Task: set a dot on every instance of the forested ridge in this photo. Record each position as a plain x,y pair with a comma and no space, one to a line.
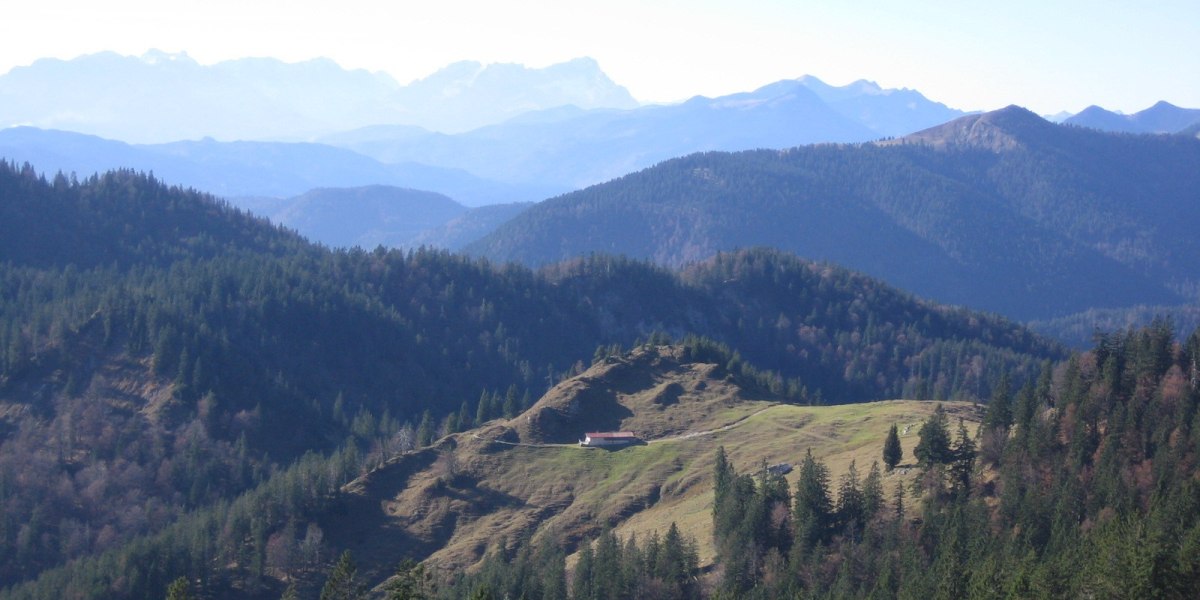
1002,211
161,353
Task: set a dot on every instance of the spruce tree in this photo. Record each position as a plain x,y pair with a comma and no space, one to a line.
464,417
850,499
179,590
723,511
1000,413
892,452
933,448
290,592
872,492
343,583
425,430
581,587
812,509
412,582
964,462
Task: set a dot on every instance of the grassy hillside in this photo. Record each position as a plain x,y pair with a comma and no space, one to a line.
452,503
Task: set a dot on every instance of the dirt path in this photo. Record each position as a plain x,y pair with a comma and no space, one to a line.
478,437
695,434
675,438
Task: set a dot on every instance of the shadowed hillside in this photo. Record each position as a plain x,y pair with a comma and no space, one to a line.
1002,211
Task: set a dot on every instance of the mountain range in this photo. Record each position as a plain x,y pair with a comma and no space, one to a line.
532,156
252,169
161,97
570,148
1003,211
1163,117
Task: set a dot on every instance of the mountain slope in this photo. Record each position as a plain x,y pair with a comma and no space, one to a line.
162,353
510,481
470,226
1002,211
365,217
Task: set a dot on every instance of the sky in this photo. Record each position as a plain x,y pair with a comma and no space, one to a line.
1046,55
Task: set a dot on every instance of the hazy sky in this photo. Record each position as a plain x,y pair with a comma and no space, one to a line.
1045,55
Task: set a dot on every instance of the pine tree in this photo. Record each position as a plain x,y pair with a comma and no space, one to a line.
290,592
411,582
343,583
425,431
179,590
723,512
606,568
510,402
872,492
481,409
581,588
892,452
898,502
1000,413
933,448
464,417
850,499
483,592
812,509
964,462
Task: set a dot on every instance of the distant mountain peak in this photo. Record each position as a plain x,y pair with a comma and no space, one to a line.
1163,117
867,86
154,56
999,130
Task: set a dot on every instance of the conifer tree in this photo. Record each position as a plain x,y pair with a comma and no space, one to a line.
481,409
510,402
343,583
999,413
412,582
872,492
464,417
850,499
179,590
723,477
812,509
581,587
425,431
290,592
933,448
892,452
964,462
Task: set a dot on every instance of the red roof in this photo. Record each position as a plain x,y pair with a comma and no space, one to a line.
610,435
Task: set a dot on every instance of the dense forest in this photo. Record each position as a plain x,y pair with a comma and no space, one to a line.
1002,211
163,354
1079,483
